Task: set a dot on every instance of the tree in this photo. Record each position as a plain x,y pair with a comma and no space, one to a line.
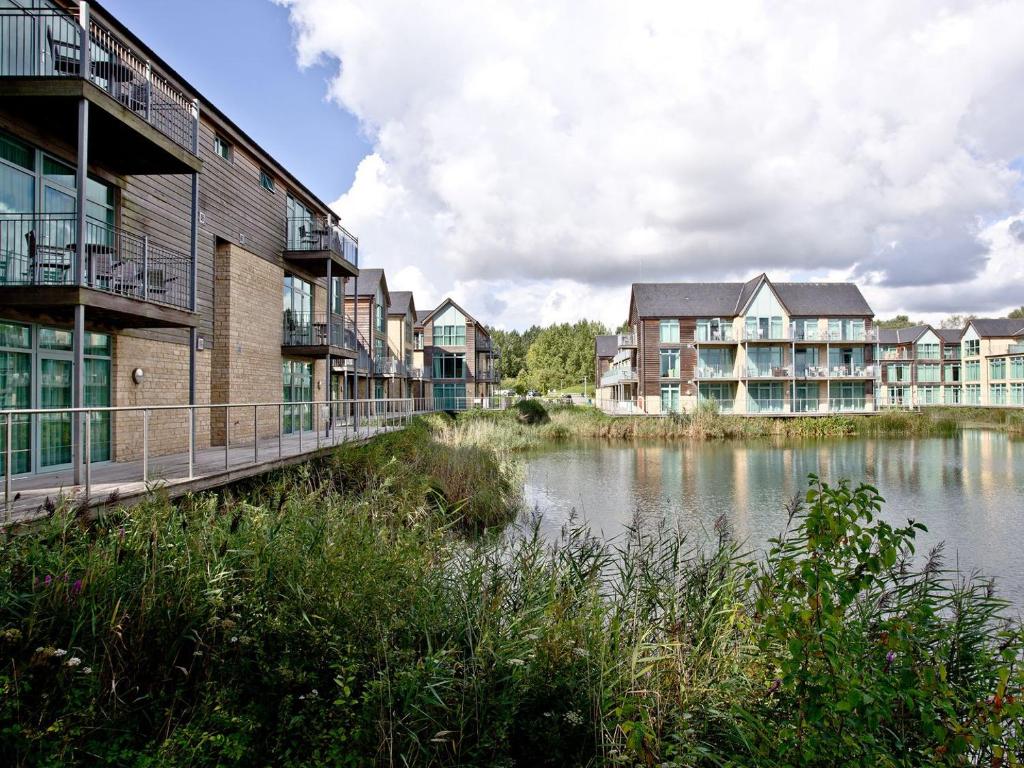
1017,314
957,321
562,355
900,321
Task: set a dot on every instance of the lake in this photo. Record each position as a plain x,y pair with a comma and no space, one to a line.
968,490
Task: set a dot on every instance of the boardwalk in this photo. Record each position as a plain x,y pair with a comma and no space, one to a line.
212,467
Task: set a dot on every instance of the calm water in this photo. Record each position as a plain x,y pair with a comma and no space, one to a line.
968,490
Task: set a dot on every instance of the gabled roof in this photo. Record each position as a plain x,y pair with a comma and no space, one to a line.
421,315
369,280
949,335
998,327
730,299
401,303
907,335
606,346
451,302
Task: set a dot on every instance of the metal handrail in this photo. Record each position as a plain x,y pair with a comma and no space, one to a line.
309,329
315,232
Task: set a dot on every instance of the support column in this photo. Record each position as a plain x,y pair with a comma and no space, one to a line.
355,366
79,265
327,361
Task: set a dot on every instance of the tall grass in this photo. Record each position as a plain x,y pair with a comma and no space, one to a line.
336,615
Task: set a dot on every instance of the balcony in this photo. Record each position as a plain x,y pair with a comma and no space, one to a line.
718,335
313,334
618,376
142,123
490,376
627,340
420,374
715,372
1015,349
773,372
127,280
837,372
313,241
391,367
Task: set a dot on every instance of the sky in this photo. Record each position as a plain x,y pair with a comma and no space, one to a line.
532,160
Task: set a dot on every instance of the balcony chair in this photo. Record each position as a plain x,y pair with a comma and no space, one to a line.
47,259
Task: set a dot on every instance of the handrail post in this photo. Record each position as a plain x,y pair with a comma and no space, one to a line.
149,92
7,465
255,436
227,433
280,428
316,423
88,457
145,446
191,442
84,53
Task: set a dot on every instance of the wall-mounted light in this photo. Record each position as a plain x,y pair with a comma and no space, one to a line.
138,375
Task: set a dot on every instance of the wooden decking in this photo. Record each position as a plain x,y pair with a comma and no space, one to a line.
213,467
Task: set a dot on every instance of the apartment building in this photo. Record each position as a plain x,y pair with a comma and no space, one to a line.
401,322
757,347
457,356
992,360
367,300
146,242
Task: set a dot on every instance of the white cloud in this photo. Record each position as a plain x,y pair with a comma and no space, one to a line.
539,155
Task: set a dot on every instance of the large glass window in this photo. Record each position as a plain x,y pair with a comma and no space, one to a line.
297,380
972,370
927,351
670,363
927,373
847,396
450,328
846,329
668,331
1017,394
972,347
765,361
951,374
16,393
806,329
1017,367
714,361
765,397
379,311
997,394
807,397
670,398
714,329
721,393
449,365
897,372
928,395
951,395
951,352
450,397
997,368
300,226
972,394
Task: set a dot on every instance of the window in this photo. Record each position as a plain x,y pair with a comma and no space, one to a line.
379,311
449,397
927,351
806,328
807,396
846,359
714,361
417,340
720,393
714,329
450,329
997,394
670,363
951,395
1017,367
449,365
668,332
298,297
928,373
670,398
929,395
266,180
1017,394
997,368
300,226
951,352
297,384
765,397
765,361
972,370
847,396
898,395
897,372
337,295
972,347
221,147
972,394
951,374
846,330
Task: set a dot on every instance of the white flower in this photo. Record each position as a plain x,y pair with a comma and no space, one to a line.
516,662
314,693
60,652
581,652
86,670
573,717
234,639
74,661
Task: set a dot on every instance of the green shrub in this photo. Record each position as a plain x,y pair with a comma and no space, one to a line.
530,412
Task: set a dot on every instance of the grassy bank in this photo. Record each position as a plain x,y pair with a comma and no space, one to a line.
349,613
506,432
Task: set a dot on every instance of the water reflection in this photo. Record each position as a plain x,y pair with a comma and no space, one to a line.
968,490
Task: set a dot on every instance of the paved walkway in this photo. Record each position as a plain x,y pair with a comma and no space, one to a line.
213,467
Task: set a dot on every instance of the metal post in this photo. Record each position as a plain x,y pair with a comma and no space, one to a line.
191,442
145,446
77,394
280,428
316,423
255,435
227,433
149,92
7,463
88,457
84,52
145,268
355,364
327,362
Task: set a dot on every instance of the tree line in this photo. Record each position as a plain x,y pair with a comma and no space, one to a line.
542,359
953,321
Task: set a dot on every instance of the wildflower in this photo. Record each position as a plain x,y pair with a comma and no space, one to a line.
890,657
234,639
516,662
314,693
581,652
48,580
74,661
76,588
574,718
60,652
86,670
776,684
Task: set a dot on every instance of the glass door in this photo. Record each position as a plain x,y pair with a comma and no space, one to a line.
54,439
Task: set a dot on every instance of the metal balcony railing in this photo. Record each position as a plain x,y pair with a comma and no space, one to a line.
724,405
316,329
318,233
715,372
618,376
766,372
837,372
390,366
722,333
45,42
40,249
1015,349
626,339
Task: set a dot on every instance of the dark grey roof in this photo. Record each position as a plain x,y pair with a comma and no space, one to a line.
950,335
421,315
998,326
906,335
401,302
728,299
369,279
606,346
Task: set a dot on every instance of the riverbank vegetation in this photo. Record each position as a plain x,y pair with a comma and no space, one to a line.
509,431
363,609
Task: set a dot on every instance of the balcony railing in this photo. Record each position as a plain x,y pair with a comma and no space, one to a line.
809,405
390,366
773,372
618,376
626,339
722,333
837,372
715,372
44,42
311,329
724,405
40,249
1015,349
318,233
